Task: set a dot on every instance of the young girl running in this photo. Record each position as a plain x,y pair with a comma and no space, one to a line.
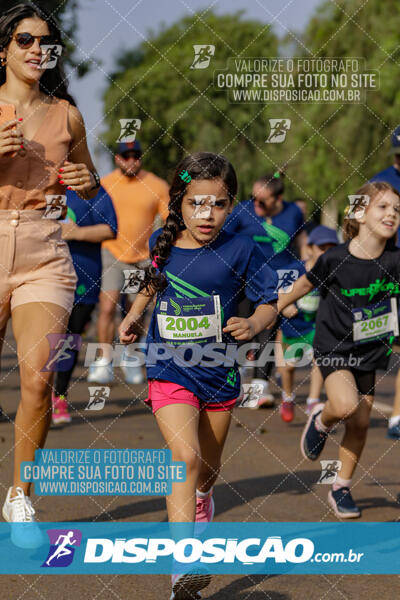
199,273
356,322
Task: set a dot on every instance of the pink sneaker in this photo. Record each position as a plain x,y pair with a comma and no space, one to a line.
60,410
286,411
205,508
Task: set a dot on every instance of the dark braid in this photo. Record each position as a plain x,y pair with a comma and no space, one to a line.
201,165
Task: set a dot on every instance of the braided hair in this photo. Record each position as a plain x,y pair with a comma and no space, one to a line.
201,165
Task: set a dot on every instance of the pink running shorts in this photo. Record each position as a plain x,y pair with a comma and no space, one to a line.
162,393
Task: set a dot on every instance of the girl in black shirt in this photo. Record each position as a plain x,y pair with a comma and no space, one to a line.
356,324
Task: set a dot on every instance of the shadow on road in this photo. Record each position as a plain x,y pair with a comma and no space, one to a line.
245,587
226,496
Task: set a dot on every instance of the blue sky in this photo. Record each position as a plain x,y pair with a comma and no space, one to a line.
108,26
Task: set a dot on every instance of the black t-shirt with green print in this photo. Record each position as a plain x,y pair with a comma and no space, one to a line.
347,283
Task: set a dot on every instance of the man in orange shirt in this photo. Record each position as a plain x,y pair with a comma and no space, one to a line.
138,196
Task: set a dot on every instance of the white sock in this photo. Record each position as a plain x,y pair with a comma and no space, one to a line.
312,400
339,483
320,426
393,421
288,398
203,494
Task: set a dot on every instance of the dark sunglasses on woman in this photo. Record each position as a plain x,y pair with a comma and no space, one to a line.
26,40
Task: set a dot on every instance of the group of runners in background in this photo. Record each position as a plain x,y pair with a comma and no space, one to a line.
249,271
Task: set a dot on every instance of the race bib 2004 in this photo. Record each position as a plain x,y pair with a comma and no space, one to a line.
190,319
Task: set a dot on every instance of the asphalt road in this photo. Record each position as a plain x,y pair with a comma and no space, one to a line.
264,478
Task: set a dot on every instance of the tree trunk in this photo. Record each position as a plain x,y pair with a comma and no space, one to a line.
329,213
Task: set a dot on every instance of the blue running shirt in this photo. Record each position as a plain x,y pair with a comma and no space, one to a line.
275,239
229,268
86,256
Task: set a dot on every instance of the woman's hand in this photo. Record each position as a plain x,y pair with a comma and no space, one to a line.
239,328
130,328
11,138
76,177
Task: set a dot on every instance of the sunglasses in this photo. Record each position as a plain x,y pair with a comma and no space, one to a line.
26,40
128,155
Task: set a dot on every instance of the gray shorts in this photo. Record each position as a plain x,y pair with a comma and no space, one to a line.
113,276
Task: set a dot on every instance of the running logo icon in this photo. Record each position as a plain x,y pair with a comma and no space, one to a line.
133,277
329,471
251,395
129,128
50,55
55,205
63,347
97,397
202,55
279,129
202,210
287,277
357,205
61,553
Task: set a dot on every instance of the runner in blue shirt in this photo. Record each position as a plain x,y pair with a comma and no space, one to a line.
88,223
275,225
200,274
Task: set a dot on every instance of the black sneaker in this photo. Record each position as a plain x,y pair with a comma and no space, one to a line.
313,441
343,504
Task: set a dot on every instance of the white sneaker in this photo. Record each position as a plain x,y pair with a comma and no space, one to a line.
100,373
25,533
133,375
266,398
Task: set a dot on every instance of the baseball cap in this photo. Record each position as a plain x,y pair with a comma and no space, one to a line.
128,146
395,149
322,235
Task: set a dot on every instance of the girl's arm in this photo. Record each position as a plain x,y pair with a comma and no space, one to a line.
131,328
90,233
245,329
300,288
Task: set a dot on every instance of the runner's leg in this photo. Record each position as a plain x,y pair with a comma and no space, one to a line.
343,397
213,430
356,429
106,320
179,425
34,411
77,323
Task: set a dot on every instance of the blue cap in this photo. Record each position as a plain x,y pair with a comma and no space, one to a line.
395,149
323,235
128,146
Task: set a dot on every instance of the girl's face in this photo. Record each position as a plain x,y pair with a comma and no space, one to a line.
205,207
382,215
24,63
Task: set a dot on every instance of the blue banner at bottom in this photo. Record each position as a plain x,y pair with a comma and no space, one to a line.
223,548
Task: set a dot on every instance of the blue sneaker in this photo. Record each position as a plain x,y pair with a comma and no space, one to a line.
343,504
313,441
394,432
